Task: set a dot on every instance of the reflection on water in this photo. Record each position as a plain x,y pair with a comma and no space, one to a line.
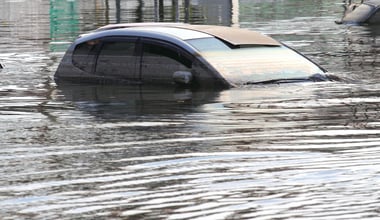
290,150
294,151
119,101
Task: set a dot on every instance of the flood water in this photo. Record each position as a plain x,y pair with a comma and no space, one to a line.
295,151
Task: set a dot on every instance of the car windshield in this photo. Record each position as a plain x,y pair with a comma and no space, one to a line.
255,64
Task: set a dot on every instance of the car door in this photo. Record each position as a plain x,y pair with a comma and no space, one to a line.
117,60
160,60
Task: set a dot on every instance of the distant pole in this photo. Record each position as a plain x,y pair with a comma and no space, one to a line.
118,13
175,10
107,14
156,11
187,11
161,10
140,12
235,13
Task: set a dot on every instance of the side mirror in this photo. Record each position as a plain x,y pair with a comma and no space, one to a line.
183,77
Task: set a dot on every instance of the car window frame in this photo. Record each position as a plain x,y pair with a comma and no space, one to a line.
167,44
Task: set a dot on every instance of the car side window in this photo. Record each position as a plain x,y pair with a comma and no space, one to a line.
153,50
160,62
117,58
84,55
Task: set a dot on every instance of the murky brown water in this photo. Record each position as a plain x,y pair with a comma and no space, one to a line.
297,151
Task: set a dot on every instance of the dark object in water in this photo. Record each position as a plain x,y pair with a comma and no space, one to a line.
1,66
182,54
365,12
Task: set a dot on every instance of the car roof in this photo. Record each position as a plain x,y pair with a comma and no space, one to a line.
183,34
234,36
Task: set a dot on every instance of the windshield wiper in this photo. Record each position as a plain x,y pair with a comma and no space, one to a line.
314,78
277,81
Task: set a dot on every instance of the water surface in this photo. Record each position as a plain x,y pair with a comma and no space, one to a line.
295,151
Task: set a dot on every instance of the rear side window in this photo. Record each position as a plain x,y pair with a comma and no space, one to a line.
117,58
84,55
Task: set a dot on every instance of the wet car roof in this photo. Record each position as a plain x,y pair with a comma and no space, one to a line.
233,36
183,34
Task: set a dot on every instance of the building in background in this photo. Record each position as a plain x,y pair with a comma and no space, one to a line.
64,22
22,19
59,21
221,12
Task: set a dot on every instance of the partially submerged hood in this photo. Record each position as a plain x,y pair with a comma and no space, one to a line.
361,13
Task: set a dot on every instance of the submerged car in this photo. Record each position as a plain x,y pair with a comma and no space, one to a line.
183,54
365,12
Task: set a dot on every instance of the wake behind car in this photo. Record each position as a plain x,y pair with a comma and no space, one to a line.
183,54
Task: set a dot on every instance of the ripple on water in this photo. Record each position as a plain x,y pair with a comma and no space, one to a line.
305,151
261,155
194,185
